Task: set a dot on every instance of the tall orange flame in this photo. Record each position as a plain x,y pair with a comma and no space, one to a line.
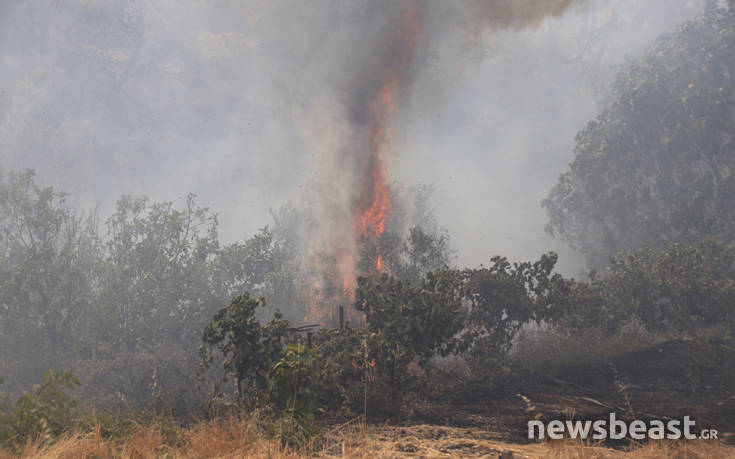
374,202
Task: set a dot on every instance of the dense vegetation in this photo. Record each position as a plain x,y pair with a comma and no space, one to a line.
129,305
657,166
123,301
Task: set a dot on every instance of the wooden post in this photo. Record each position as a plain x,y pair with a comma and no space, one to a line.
341,318
308,339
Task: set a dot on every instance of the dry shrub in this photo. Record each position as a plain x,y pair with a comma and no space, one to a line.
72,446
361,442
229,437
236,437
652,450
223,437
146,443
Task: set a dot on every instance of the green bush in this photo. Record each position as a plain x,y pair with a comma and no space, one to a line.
680,287
501,299
43,414
263,368
409,322
249,349
343,358
291,391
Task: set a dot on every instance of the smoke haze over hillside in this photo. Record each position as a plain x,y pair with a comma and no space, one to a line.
252,104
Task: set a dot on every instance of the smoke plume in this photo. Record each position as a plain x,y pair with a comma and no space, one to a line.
397,39
326,104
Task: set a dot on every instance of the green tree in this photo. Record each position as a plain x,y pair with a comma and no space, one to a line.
425,252
292,380
503,298
414,243
680,287
409,322
264,264
408,257
249,349
657,165
49,257
157,285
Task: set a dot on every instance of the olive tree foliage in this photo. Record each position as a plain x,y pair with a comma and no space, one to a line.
157,284
658,165
49,262
248,349
473,312
680,287
502,298
423,245
409,321
77,295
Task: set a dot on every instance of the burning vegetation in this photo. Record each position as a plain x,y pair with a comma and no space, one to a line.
150,335
376,95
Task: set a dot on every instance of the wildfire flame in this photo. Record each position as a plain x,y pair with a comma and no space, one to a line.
374,202
383,85
373,205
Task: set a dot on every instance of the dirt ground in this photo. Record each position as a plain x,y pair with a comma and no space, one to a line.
431,441
663,382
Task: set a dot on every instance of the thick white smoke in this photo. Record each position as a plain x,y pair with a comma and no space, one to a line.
251,104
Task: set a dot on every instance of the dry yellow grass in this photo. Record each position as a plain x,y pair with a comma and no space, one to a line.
236,438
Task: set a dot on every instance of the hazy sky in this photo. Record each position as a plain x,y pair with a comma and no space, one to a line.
241,103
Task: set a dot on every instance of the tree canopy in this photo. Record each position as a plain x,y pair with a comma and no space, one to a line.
657,165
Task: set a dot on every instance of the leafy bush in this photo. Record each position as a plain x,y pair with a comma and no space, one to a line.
292,393
476,313
250,350
502,298
291,381
409,322
43,414
255,356
681,287
341,369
